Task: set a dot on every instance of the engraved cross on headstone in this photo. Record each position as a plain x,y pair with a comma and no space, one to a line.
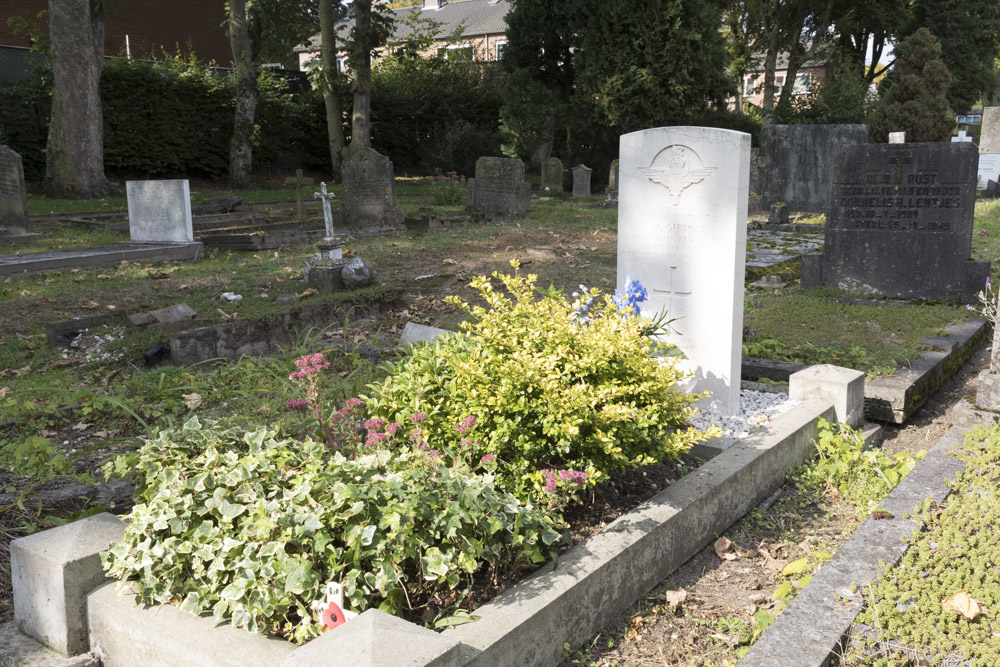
298,182
672,289
898,161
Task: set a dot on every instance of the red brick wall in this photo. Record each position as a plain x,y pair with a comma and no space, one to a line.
151,25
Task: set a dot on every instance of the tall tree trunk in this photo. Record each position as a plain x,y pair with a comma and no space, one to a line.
361,122
74,157
241,144
770,61
328,82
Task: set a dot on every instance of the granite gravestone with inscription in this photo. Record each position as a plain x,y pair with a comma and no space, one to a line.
499,187
159,211
552,175
13,197
369,193
581,180
900,223
798,158
682,227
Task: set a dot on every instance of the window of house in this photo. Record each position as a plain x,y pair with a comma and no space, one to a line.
779,82
803,82
456,52
501,45
750,85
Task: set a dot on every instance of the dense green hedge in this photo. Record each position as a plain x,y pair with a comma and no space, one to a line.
174,118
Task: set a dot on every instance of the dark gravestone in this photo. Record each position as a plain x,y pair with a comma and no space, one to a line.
552,175
13,198
798,159
369,193
499,187
613,177
581,180
900,223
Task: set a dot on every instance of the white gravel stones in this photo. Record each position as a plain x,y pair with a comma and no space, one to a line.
756,409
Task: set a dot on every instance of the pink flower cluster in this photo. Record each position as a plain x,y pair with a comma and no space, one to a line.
297,404
464,425
487,458
553,477
310,364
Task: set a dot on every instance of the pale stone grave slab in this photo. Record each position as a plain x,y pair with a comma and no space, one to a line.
989,170
499,188
682,215
900,223
159,211
369,193
13,196
552,175
989,137
798,159
581,180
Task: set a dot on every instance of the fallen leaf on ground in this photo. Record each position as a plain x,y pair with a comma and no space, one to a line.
24,370
100,434
3,391
226,316
675,598
157,275
770,562
81,426
961,603
46,433
308,293
721,547
449,261
191,400
58,362
103,276
263,410
90,305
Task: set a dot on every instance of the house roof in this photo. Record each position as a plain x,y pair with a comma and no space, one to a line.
821,59
476,17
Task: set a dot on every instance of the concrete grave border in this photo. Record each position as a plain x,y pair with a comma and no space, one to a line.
893,399
528,624
16,266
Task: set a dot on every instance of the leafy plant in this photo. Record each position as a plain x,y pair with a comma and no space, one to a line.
448,190
553,394
34,457
252,527
864,476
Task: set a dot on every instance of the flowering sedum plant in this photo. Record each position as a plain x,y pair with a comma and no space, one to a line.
251,527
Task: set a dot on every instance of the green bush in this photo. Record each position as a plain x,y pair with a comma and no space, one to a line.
252,528
549,388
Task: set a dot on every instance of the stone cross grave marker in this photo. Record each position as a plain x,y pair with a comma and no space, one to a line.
159,211
298,182
962,137
798,159
499,187
581,180
900,223
13,197
325,198
682,213
369,192
897,137
552,175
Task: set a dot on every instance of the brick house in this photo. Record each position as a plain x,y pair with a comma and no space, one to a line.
810,73
483,24
145,28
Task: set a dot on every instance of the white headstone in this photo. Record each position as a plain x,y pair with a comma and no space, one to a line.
989,169
897,137
962,136
682,227
159,211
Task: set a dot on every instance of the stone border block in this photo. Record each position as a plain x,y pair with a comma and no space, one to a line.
844,387
19,650
51,573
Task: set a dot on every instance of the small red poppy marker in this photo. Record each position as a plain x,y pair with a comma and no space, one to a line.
332,616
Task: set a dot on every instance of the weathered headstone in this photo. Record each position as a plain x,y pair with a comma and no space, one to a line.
989,170
499,187
369,193
581,180
13,196
682,215
798,158
989,137
159,211
298,182
900,223
552,175
897,137
613,176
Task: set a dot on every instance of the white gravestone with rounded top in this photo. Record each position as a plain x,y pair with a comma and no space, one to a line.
682,226
159,211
